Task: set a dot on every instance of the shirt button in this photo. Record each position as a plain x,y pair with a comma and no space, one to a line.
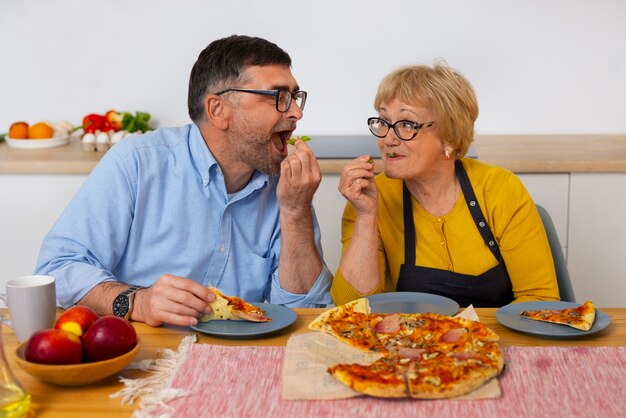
439,220
443,243
222,249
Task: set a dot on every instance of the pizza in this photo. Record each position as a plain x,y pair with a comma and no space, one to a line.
581,318
425,356
233,308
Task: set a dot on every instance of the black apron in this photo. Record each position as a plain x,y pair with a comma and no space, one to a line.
489,289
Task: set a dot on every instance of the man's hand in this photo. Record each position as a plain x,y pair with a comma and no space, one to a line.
300,176
299,263
172,300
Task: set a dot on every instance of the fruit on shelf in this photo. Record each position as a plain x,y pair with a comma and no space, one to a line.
40,130
54,346
108,337
77,319
18,130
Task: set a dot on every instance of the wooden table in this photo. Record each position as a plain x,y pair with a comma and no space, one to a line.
93,400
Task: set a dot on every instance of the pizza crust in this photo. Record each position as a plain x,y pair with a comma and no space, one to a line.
394,387
321,323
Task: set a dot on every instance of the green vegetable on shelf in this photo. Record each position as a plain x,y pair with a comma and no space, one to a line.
139,122
292,141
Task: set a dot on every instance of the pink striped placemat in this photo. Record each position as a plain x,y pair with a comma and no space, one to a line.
227,381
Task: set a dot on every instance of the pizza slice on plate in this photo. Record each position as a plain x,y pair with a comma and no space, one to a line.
581,318
233,308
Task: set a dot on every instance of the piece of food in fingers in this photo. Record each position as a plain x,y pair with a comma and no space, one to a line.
292,141
581,318
233,308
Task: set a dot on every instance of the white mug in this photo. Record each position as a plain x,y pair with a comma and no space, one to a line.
32,304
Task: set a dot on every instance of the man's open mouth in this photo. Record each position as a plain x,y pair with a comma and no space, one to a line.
279,139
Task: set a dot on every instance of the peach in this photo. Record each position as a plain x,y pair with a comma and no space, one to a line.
54,346
76,319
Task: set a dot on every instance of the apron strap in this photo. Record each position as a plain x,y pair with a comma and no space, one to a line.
477,214
409,227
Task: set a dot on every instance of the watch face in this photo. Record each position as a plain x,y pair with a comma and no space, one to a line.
120,305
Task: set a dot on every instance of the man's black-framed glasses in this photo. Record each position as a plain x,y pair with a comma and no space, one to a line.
284,97
404,129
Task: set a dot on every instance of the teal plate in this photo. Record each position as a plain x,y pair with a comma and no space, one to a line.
509,316
412,302
281,317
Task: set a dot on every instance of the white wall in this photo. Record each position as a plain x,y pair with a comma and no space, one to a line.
538,66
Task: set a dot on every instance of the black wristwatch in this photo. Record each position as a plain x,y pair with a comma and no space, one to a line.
123,303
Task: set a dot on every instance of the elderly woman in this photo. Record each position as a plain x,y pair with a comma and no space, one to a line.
436,222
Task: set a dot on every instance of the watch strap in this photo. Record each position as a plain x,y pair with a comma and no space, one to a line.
127,294
131,299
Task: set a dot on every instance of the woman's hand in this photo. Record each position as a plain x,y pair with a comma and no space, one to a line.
357,185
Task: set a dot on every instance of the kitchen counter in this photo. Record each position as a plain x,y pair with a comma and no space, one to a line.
518,153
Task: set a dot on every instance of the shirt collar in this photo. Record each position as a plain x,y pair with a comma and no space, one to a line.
207,165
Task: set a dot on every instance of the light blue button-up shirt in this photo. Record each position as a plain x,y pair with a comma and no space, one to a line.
157,204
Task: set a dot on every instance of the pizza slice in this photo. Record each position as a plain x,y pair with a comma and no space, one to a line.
384,378
350,323
447,372
233,308
581,318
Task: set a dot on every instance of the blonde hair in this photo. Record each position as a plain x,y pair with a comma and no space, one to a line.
443,90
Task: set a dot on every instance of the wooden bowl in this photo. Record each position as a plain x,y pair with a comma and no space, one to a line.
74,374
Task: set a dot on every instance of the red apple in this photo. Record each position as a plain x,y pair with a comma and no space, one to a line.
76,319
108,337
54,346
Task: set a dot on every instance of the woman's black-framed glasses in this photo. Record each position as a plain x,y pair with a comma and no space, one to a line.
404,129
283,97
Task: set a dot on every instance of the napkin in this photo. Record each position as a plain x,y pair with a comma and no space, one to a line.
308,356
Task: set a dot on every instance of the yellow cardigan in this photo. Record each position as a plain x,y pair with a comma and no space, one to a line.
452,242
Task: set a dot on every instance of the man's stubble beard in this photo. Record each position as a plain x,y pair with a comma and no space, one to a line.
252,147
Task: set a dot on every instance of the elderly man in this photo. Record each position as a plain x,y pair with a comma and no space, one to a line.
217,202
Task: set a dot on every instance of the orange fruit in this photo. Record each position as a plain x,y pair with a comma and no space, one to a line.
18,130
40,130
